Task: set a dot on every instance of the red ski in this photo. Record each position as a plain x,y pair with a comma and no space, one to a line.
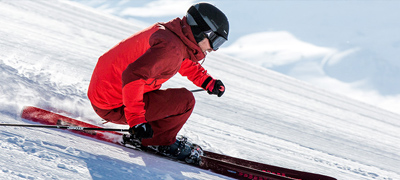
218,163
293,174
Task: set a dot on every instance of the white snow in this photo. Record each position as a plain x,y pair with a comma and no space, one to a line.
362,36
49,49
270,49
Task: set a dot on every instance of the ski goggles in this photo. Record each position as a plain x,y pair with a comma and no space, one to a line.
215,40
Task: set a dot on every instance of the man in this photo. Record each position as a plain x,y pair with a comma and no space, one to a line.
124,88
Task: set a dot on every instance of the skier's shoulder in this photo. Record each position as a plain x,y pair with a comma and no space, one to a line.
165,36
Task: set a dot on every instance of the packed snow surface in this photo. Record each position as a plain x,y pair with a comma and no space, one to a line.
49,50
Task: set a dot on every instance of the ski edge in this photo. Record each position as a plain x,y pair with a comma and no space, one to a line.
269,168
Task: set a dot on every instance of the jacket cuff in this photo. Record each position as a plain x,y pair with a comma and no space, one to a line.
207,83
136,121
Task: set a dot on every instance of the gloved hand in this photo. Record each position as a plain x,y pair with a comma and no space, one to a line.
216,87
143,130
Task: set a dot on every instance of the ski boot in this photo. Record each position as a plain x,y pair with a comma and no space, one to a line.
182,150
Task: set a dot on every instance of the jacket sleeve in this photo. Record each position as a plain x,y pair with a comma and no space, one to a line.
133,100
143,72
195,73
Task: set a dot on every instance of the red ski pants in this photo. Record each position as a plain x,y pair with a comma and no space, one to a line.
166,112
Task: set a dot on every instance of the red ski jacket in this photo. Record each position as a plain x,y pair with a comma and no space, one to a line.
141,63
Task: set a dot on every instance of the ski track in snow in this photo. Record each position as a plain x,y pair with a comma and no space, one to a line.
49,50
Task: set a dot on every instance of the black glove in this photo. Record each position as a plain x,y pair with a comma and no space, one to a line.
217,89
143,130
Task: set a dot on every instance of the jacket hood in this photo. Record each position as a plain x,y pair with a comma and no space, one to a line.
182,29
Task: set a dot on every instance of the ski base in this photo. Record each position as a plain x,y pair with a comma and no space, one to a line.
218,163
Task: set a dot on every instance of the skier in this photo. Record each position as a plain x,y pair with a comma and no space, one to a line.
125,84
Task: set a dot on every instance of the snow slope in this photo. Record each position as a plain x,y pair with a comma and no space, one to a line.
348,47
48,52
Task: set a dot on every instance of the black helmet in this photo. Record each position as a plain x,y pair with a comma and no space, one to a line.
206,20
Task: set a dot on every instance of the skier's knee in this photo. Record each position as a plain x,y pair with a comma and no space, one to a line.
188,97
